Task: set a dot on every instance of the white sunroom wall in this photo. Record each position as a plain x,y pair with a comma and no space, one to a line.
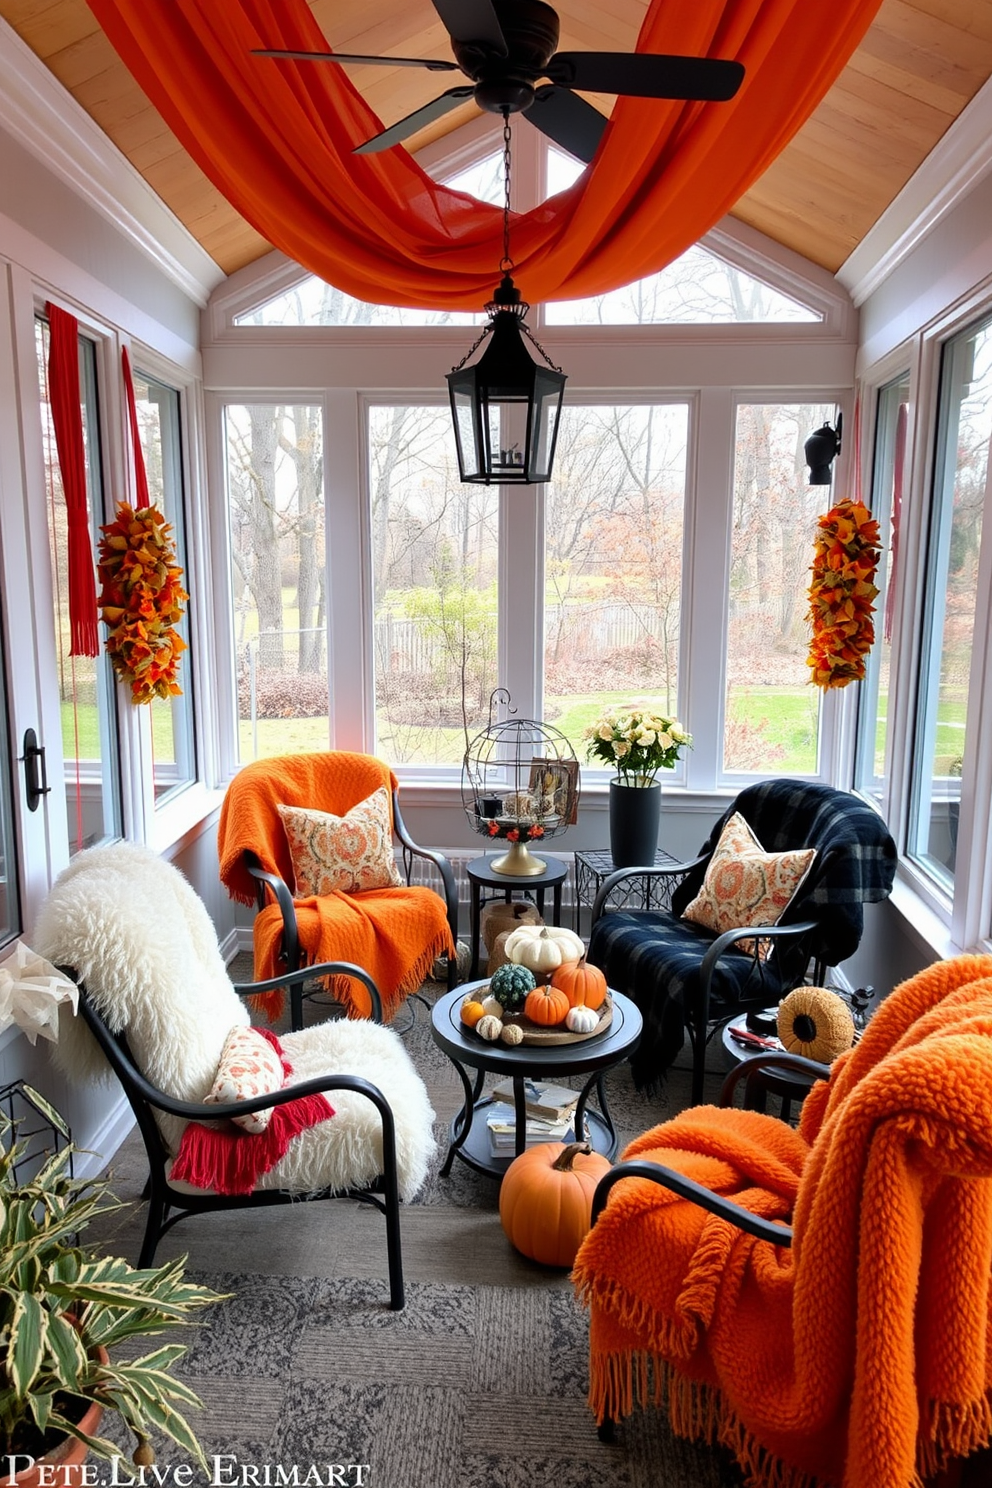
713,367
923,274
74,228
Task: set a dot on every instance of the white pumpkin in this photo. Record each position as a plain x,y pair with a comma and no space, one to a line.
581,1020
493,1007
543,948
489,1028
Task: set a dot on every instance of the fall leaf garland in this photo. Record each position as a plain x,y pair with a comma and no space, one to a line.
141,601
841,594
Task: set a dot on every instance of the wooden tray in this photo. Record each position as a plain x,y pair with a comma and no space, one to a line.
535,1034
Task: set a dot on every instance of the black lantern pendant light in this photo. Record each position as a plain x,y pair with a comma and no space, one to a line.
506,406
820,450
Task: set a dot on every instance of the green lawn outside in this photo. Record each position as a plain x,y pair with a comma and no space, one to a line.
282,736
786,719
84,721
781,716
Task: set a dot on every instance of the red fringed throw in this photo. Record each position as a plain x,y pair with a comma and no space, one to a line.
228,1160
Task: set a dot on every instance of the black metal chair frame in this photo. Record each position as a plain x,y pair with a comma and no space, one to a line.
292,951
696,1011
752,1072
168,1205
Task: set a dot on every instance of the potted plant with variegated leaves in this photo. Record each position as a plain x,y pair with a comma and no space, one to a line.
65,1310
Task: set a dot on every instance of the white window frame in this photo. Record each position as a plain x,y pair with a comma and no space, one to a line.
163,823
959,918
350,368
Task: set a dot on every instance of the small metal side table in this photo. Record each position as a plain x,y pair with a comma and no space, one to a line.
592,868
481,874
588,1058
788,1085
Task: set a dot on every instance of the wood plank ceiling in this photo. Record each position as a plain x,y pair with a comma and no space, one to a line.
920,63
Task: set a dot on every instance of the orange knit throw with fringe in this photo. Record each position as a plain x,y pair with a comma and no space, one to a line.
862,1357
394,934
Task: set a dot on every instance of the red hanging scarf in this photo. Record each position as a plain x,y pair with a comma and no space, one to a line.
140,476
67,421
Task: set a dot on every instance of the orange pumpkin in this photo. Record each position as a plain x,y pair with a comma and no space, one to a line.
545,1200
471,1011
546,1005
582,984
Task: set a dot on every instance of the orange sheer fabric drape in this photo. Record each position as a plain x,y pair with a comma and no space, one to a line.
276,138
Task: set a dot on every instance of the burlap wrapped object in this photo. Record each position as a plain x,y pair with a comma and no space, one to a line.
498,916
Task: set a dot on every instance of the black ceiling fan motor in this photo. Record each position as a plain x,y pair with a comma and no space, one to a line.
505,83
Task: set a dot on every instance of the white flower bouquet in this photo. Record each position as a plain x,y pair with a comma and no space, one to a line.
637,742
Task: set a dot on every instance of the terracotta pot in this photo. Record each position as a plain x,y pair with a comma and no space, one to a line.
67,1458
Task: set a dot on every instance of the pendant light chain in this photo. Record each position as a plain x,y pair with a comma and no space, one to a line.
506,262
505,407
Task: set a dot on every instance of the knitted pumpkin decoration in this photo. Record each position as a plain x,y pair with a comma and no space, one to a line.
815,1022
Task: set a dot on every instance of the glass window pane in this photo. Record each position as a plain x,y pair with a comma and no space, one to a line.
312,302
698,288
10,912
86,683
275,493
159,429
886,506
960,478
613,575
771,720
434,570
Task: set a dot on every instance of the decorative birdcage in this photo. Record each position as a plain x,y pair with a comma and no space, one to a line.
520,785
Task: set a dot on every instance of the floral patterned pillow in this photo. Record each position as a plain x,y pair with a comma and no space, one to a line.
249,1065
744,885
349,853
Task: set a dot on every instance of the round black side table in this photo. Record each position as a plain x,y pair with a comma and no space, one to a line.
788,1085
590,1057
482,875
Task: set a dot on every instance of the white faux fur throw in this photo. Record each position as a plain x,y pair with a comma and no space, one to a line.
141,941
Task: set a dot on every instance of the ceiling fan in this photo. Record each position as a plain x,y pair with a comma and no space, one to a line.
507,46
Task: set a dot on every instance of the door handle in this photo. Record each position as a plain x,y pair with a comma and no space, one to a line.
35,771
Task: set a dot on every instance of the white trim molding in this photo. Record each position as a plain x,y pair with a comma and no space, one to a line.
38,112
955,165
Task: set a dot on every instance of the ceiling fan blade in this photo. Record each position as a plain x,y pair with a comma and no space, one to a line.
472,20
419,119
647,75
568,120
431,63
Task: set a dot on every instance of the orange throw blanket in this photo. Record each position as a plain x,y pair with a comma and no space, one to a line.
394,934
861,1357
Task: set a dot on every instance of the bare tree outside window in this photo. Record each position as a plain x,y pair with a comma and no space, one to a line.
159,430
613,576
434,564
698,288
772,712
276,514
87,689
960,491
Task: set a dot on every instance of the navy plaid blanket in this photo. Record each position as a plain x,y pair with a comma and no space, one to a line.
654,956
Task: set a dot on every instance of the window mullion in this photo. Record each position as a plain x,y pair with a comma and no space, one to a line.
521,597
707,562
